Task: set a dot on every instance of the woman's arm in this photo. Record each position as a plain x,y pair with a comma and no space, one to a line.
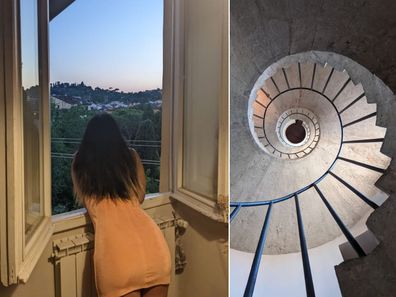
141,176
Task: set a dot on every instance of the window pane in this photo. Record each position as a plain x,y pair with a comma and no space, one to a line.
32,120
106,56
202,96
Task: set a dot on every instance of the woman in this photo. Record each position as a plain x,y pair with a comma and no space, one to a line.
131,257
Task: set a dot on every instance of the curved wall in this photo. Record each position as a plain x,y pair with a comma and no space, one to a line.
264,31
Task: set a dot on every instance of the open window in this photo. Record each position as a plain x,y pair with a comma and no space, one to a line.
193,123
200,106
106,59
26,224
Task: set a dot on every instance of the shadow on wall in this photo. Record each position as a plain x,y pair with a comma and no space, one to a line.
41,282
206,248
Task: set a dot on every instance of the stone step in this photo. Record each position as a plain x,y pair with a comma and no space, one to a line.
381,218
307,70
336,83
362,179
389,145
347,205
292,73
367,153
321,76
387,181
270,88
364,130
358,110
319,225
280,81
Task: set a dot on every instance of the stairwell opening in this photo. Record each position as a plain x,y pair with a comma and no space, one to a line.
296,133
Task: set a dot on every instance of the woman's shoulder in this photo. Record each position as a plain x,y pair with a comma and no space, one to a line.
134,153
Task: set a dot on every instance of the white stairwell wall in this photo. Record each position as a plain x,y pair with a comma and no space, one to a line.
282,275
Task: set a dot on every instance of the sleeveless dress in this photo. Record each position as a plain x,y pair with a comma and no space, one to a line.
130,250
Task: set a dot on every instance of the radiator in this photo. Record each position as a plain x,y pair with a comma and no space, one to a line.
73,262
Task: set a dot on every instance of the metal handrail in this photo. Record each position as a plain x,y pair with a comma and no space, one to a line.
311,146
304,250
294,89
283,198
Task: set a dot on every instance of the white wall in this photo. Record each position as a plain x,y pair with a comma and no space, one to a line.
283,276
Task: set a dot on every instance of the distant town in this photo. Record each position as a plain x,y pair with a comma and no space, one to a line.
67,95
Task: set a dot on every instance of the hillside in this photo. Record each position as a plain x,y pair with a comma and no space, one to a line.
87,95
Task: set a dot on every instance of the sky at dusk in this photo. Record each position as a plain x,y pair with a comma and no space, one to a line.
107,44
29,44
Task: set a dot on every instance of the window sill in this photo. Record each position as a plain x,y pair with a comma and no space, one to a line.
201,204
79,217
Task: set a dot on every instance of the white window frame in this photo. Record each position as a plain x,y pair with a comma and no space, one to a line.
3,204
80,215
18,258
217,208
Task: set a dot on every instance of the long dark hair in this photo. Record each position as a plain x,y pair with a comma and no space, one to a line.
104,166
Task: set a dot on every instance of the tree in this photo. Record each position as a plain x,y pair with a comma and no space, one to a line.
140,126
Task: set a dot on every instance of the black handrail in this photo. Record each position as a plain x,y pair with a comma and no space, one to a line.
342,89
303,245
257,255
352,103
364,140
368,166
355,191
311,146
283,198
309,287
360,120
328,79
235,212
293,89
341,225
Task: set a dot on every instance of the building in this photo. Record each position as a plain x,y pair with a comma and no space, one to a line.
61,104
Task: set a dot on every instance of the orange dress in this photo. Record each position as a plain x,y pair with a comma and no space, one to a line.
130,250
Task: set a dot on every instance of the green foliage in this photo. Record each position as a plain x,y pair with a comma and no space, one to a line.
140,126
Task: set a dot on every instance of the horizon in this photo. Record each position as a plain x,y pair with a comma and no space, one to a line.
104,88
108,59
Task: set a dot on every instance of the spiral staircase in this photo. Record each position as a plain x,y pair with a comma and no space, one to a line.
307,176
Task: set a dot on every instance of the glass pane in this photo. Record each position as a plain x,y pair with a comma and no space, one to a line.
118,70
202,95
32,117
